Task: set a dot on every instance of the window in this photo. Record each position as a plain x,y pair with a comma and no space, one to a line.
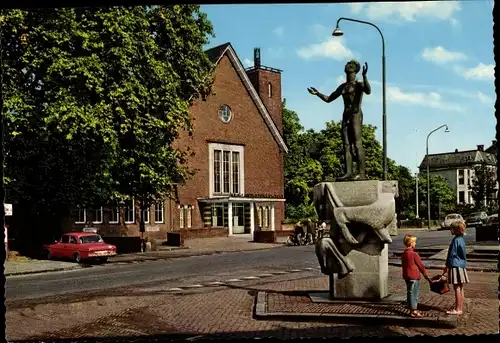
185,216
259,215
225,113
217,215
81,216
266,216
461,197
72,240
96,215
65,239
227,169
145,215
114,215
130,211
461,177
159,212
270,89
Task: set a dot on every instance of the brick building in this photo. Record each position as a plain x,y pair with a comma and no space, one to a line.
238,157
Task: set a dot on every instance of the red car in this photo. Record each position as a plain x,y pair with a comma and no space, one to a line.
80,246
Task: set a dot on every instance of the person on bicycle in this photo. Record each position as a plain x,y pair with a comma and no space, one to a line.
299,233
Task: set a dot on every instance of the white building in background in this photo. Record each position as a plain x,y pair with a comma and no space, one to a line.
458,168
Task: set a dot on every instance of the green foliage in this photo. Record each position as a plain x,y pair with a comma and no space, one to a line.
484,187
95,97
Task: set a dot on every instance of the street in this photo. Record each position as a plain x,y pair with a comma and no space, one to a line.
211,294
186,271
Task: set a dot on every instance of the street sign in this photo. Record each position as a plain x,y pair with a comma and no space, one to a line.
90,229
8,209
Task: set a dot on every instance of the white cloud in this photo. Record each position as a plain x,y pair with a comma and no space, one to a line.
279,31
431,99
409,11
332,48
440,55
247,62
482,72
483,98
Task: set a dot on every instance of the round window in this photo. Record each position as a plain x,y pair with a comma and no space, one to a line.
225,113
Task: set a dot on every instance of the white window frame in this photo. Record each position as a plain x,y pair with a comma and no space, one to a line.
95,212
116,210
181,216
159,205
188,216
267,213
126,211
84,216
270,90
212,147
260,215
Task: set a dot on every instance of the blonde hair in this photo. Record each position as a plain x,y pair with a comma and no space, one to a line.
408,239
458,228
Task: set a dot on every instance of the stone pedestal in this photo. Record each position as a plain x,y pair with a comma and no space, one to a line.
370,280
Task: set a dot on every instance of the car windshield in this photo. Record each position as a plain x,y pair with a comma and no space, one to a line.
91,239
452,216
475,214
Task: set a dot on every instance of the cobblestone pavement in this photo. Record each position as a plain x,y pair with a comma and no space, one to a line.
226,311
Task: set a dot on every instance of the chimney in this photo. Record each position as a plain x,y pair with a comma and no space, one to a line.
480,147
267,83
456,150
256,57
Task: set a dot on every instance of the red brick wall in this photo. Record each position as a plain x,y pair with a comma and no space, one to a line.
247,127
261,79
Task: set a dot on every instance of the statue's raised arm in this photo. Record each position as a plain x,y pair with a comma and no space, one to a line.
335,94
366,85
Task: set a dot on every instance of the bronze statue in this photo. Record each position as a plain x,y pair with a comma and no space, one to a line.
352,118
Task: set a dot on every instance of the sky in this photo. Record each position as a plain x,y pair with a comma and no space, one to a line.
439,65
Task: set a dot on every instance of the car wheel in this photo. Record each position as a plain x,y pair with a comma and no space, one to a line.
103,259
77,258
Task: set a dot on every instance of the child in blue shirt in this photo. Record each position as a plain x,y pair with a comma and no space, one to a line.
456,262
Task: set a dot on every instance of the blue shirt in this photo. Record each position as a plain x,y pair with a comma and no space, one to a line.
456,253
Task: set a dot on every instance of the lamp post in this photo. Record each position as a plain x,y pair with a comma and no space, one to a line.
416,195
428,178
337,33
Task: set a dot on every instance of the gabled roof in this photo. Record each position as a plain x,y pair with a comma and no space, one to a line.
215,55
458,159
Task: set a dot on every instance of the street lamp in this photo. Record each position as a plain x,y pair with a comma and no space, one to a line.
337,33
416,195
428,178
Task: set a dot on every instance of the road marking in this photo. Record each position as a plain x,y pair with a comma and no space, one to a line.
250,277
279,273
215,283
233,280
174,289
309,268
265,275
192,286
295,270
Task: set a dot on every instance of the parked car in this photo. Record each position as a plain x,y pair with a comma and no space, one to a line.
476,219
79,246
488,231
449,219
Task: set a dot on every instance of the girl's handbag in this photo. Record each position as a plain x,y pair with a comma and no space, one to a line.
439,284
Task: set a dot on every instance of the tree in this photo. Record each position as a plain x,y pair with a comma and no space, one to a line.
93,100
484,186
301,171
443,198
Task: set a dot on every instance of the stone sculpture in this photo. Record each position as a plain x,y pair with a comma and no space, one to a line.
352,119
362,216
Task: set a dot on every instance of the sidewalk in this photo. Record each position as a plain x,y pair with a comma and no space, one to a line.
37,266
226,312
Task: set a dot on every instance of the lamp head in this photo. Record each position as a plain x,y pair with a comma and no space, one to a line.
447,130
337,32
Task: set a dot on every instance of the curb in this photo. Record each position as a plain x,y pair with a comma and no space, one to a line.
260,313
472,269
43,271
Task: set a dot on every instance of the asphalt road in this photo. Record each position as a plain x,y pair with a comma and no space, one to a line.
185,271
